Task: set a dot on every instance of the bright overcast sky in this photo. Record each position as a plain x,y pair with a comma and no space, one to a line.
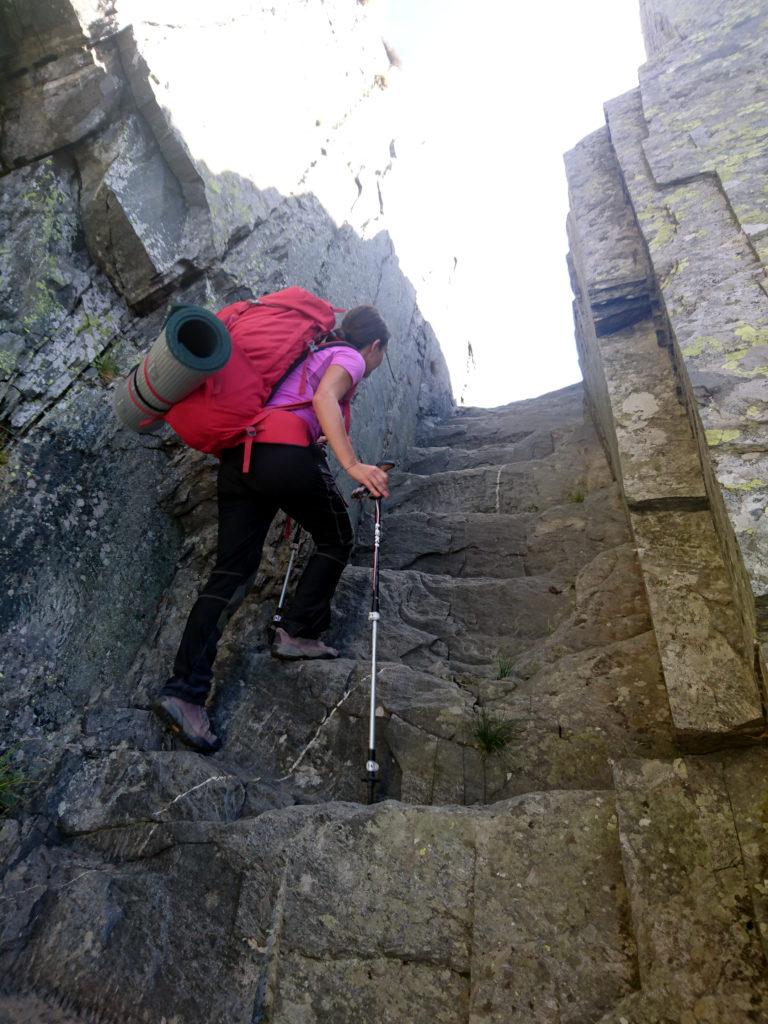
492,94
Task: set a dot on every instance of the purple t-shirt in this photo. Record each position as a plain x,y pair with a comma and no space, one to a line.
290,391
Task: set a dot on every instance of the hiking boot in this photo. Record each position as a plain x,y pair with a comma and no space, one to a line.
189,722
293,648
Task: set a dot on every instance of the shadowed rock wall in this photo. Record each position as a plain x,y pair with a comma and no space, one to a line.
107,219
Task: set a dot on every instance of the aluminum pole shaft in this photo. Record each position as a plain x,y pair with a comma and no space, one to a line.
372,723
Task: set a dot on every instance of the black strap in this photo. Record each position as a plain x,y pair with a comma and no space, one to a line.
155,408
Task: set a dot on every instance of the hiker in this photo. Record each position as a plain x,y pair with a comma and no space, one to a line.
281,465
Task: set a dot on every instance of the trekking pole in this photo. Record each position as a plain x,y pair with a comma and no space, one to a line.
371,765
277,618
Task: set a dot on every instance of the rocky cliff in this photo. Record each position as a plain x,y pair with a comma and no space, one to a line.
571,707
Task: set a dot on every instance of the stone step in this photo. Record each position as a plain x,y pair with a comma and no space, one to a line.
476,917
569,474
693,842
28,1009
561,728
507,424
346,913
561,539
536,445
429,620
463,624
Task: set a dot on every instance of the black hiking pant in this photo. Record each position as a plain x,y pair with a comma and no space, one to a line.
298,481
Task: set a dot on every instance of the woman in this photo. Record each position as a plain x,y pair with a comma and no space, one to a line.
286,469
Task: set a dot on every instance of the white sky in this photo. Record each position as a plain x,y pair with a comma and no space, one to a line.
491,95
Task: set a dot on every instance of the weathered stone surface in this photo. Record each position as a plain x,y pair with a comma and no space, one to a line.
57,313
126,785
473,428
710,681
555,958
529,755
350,899
58,103
745,775
717,129
558,540
15,1009
666,22
134,211
657,453
696,942
706,649
716,312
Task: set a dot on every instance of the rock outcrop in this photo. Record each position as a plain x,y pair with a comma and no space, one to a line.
573,813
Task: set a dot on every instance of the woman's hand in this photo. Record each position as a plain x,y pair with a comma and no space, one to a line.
372,477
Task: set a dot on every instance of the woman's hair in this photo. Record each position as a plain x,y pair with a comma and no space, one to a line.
362,325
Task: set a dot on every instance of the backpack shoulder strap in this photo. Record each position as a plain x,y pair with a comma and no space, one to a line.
318,345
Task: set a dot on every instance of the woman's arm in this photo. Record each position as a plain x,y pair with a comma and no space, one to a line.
335,383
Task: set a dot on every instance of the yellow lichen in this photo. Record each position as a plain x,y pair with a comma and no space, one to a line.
752,335
704,343
749,485
715,437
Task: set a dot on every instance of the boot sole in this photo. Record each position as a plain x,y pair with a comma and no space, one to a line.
169,721
302,657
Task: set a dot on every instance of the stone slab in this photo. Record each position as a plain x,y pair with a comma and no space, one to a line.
707,273
688,893
709,676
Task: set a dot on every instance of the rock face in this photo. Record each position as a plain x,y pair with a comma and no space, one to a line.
670,306
534,788
573,799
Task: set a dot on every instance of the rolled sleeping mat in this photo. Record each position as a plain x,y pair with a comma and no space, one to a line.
193,345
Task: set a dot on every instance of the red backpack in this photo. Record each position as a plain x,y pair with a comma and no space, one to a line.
270,338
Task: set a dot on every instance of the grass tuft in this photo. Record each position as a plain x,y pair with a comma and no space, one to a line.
12,782
106,367
577,496
504,665
492,733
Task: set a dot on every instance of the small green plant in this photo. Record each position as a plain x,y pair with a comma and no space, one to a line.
577,496
12,782
491,732
504,665
4,456
106,367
